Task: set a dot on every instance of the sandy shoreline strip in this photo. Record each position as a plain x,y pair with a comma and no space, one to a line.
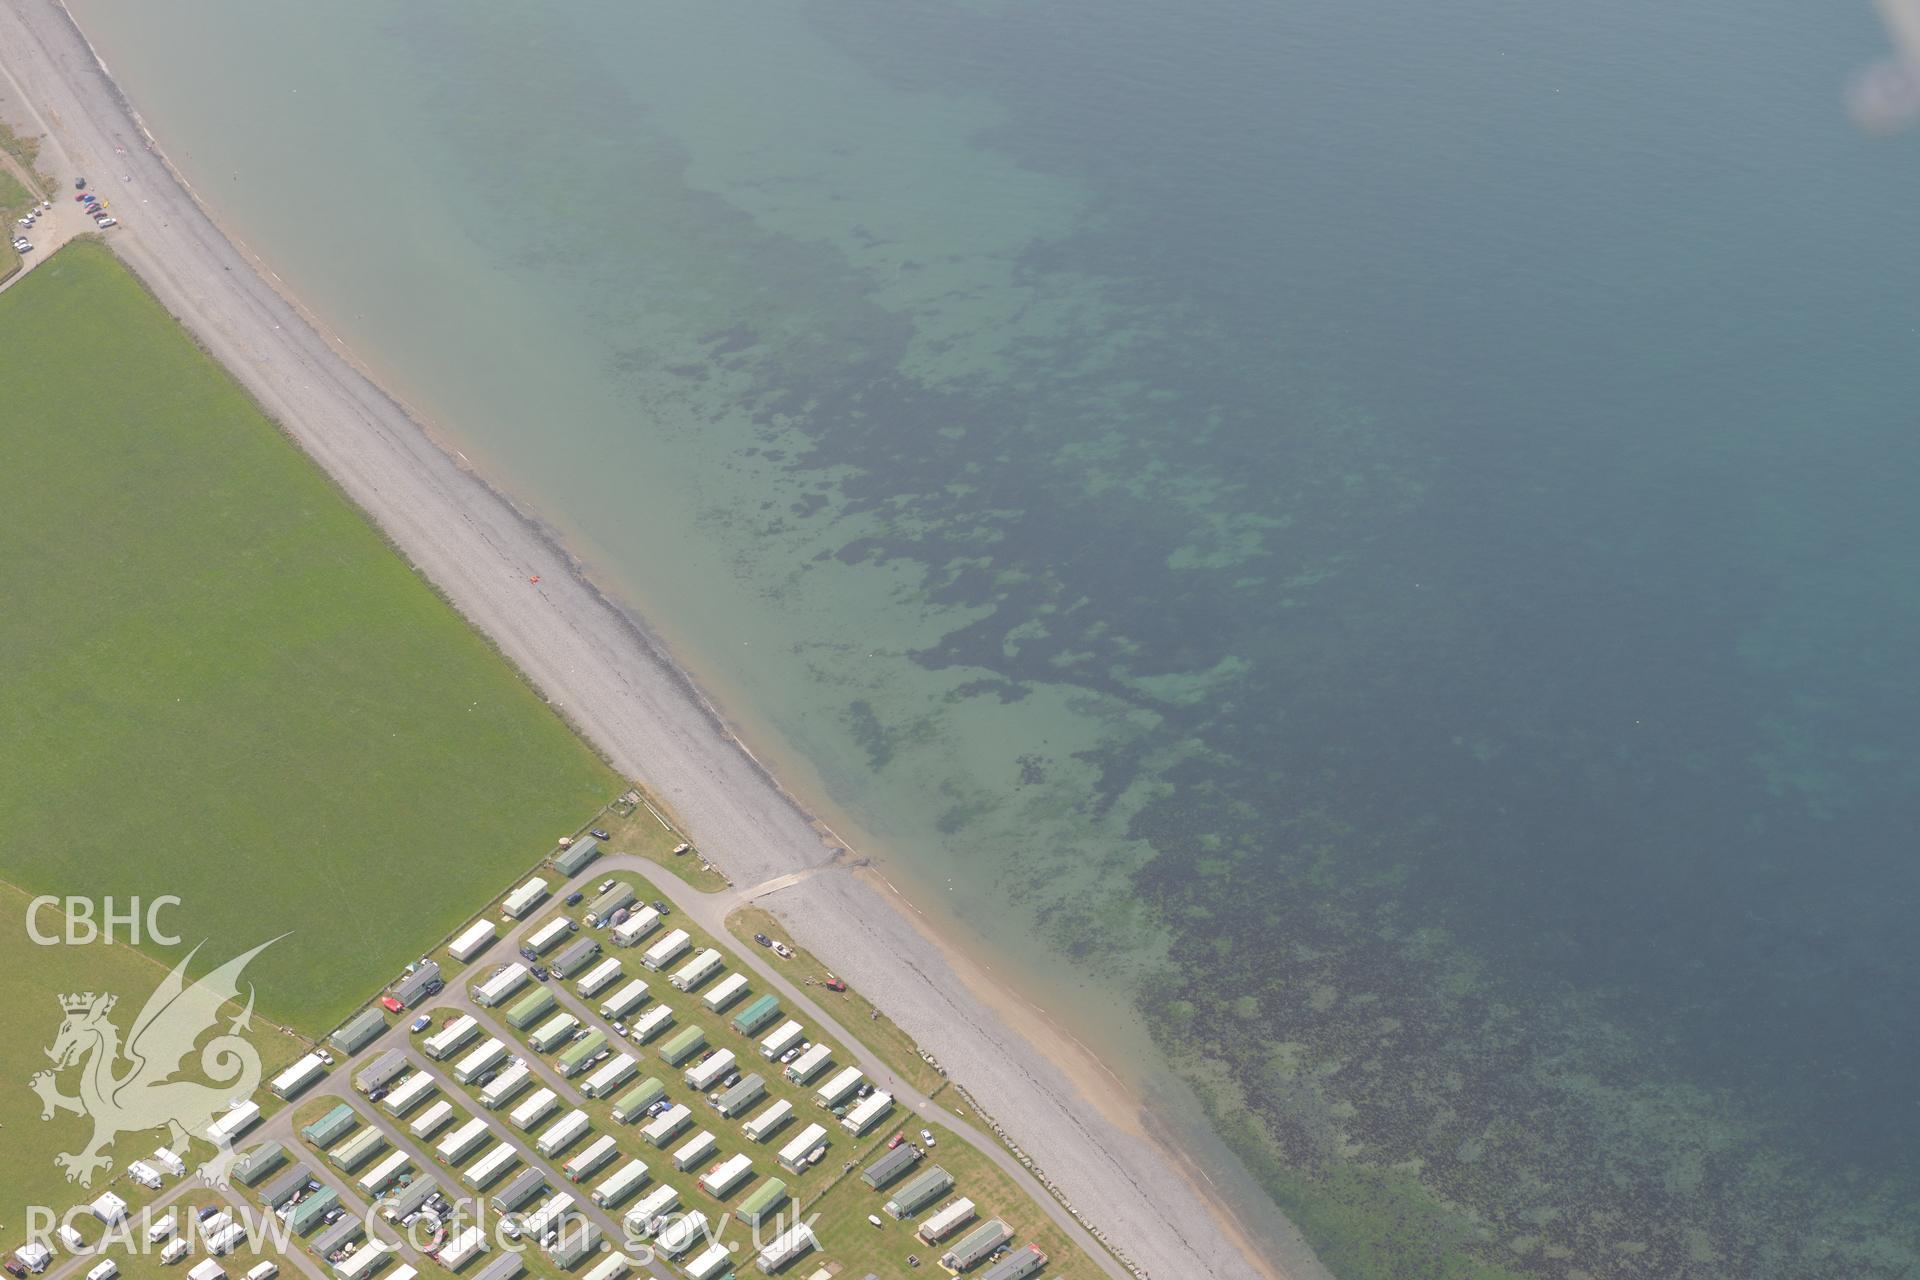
599,665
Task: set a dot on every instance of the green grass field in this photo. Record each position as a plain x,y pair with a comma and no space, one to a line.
221,683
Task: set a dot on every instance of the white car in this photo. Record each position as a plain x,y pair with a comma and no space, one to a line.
926,1136
104,223
23,246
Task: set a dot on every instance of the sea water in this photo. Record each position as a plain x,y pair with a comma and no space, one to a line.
1383,533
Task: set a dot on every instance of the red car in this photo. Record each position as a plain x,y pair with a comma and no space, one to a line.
391,1005
896,1140
834,984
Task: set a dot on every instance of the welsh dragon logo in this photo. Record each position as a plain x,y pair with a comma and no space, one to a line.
143,1094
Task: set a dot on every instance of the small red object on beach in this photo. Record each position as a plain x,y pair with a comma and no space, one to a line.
534,578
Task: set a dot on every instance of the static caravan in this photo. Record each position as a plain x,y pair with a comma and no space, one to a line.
696,1150
236,1122
681,1234
548,936
793,1156
685,1043
601,909
640,1219
410,1093
480,1060
535,1109
575,855
667,950
745,1094
600,977
364,1261
634,1102
710,1070
432,1120
298,1076
530,1008
768,1122
308,1213
612,1267
752,1019
507,1266
810,1064
497,988
382,1175
765,1199
474,939
206,1269
891,1166
562,1133
582,1053
839,1088
520,1189
404,1200
549,1215
413,987
720,1180
338,1236
1017,1265
491,1167
574,1245
620,1184
403,1272
595,1156
697,970
525,898
920,1192
794,1243
381,1071
357,1150
651,1023
451,1038
263,1270
976,1245
667,1126
517,1076
463,1248
257,1163
574,957
625,1000
781,1038
710,1265
554,1032
630,931
462,1142
867,1112
946,1221
725,992
609,1076
104,1270
226,1239
359,1031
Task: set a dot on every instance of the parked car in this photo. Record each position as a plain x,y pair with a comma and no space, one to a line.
421,1023
681,848
528,953
598,834
377,1094
662,908
834,984
926,1136
763,939
896,1139
104,223
573,899
604,886
540,972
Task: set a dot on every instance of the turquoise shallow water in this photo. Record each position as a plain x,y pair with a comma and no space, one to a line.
1382,534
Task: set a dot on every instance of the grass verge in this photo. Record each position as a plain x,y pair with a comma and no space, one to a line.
880,1035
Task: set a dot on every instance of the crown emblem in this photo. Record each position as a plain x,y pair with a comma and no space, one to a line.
86,1001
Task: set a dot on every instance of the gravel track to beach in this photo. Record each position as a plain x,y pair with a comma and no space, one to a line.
600,667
